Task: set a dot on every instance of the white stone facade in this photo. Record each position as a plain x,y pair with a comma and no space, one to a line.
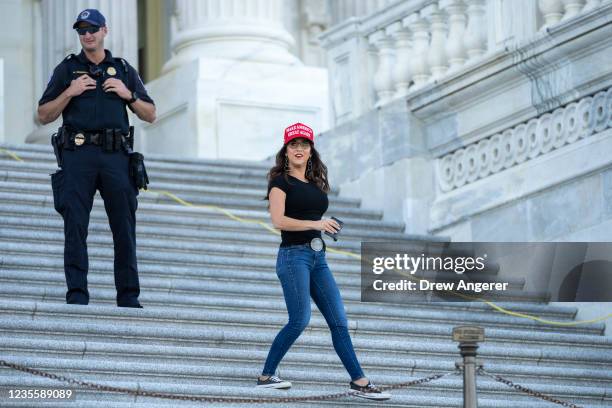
232,84
449,108
476,120
480,120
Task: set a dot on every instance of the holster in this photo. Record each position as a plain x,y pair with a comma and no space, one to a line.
64,139
56,142
138,171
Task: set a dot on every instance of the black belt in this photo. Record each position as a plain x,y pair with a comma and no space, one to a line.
81,138
95,138
108,139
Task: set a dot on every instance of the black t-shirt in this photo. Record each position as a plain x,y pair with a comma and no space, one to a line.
304,201
94,109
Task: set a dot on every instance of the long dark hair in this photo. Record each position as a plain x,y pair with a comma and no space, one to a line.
316,175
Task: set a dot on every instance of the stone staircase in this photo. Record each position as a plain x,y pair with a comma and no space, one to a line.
213,306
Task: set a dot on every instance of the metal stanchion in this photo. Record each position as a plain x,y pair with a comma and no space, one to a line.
468,338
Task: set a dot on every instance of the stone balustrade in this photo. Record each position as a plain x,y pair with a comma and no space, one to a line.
526,141
410,44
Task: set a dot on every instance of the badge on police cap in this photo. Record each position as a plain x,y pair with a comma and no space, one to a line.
111,71
79,139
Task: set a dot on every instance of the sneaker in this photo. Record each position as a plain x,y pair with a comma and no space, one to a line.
273,382
369,391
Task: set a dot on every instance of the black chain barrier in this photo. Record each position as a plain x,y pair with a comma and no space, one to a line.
526,390
195,398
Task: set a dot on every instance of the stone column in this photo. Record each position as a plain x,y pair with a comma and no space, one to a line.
249,30
232,85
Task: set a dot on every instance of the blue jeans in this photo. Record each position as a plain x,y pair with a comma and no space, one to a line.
304,273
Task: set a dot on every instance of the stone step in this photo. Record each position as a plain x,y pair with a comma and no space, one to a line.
545,355
212,381
178,320
165,281
213,304
40,153
218,200
196,273
408,398
186,291
345,277
206,302
178,249
176,187
19,227
45,168
517,370
252,248
414,403
179,215
242,260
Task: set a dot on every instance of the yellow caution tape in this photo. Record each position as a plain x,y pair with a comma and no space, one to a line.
351,254
512,313
11,154
214,207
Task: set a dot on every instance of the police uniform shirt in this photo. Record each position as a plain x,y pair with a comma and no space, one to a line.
95,109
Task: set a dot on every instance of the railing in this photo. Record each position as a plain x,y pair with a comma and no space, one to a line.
469,366
409,44
341,10
538,136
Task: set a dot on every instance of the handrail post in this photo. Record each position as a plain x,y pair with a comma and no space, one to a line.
468,338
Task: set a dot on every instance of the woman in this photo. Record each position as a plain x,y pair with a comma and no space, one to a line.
297,192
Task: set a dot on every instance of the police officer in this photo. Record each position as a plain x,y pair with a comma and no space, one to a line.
91,91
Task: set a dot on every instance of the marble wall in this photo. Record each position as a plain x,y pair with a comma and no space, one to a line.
17,51
513,147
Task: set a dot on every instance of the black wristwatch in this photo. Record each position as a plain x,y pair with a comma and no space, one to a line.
134,98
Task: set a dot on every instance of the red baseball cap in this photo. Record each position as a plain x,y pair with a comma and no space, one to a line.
298,130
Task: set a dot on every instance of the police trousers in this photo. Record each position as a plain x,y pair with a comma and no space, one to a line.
85,170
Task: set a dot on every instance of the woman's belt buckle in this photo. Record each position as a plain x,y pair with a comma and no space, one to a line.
316,244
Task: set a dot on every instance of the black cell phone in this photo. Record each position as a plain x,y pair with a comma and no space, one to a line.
335,236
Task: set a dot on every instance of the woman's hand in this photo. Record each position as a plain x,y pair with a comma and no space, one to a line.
329,225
